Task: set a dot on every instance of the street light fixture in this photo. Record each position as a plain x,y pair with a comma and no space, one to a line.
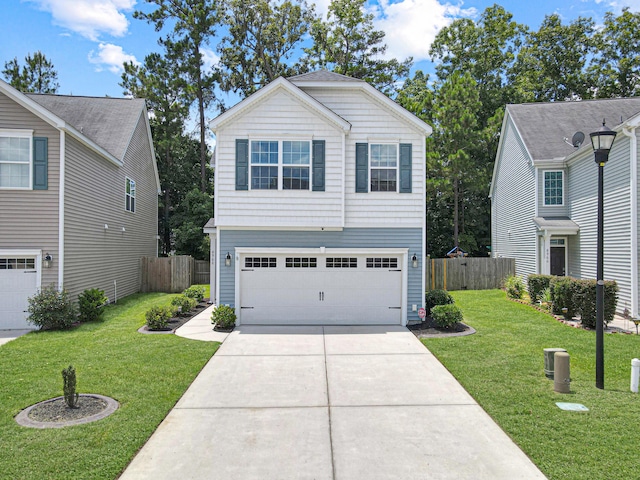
601,141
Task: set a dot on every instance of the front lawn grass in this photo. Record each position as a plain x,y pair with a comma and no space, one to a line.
147,374
502,367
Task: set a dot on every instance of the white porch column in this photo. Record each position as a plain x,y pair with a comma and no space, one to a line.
212,268
546,253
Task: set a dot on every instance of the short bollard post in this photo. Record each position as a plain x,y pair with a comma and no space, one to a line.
561,377
635,374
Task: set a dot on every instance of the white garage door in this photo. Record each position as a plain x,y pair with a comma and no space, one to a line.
18,282
320,289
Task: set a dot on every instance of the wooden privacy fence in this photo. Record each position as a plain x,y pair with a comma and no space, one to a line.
468,273
201,272
167,274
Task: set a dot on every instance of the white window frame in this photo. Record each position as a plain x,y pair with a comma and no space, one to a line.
281,165
129,206
396,168
544,188
20,134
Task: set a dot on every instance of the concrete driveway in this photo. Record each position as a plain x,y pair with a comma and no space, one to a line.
319,403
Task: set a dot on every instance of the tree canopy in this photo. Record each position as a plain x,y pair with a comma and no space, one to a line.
37,75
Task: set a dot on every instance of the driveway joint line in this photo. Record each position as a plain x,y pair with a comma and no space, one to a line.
326,376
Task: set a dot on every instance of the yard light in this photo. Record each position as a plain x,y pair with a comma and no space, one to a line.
46,261
601,141
414,261
227,260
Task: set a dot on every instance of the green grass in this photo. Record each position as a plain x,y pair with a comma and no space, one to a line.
147,374
502,367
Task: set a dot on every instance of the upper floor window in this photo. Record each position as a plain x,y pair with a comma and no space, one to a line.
553,187
280,165
130,195
384,167
15,160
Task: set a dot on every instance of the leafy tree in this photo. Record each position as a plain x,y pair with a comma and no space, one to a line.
263,38
551,63
416,96
193,25
616,66
37,75
188,221
347,43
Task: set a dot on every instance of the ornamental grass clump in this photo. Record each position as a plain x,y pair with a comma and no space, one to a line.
69,387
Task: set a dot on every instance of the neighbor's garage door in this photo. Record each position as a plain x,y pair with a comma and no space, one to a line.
320,289
18,281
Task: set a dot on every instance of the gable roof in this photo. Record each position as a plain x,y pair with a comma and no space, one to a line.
280,83
322,76
544,126
109,122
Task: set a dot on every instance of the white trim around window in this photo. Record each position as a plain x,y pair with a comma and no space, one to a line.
384,164
130,195
16,159
280,164
554,185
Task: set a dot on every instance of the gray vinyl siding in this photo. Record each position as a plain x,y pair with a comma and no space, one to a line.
410,238
29,218
513,204
583,184
552,210
95,196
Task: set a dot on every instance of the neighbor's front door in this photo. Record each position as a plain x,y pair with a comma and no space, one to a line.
558,259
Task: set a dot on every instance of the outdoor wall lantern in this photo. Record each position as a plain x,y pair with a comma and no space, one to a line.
414,261
601,141
46,261
227,260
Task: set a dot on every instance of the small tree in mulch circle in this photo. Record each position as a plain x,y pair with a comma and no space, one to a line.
69,387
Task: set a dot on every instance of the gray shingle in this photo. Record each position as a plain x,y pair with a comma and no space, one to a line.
109,122
544,126
322,76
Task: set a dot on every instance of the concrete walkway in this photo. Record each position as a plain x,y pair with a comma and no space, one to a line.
327,403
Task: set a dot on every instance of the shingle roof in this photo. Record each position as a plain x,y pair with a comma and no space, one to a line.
544,126
109,122
322,76
564,223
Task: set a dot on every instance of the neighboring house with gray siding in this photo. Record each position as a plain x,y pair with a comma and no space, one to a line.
544,192
78,196
320,205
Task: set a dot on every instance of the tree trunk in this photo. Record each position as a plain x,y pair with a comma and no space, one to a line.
455,212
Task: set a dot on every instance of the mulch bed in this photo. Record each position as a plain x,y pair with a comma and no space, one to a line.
177,322
55,413
428,328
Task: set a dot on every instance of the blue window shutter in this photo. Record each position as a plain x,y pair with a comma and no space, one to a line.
318,165
242,164
362,167
40,163
405,167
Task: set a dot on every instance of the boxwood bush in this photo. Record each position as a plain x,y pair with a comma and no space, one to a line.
186,304
584,292
224,317
158,317
514,285
563,296
51,309
536,285
436,297
195,291
446,316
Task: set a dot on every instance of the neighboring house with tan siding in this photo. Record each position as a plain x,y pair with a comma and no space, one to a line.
78,196
320,205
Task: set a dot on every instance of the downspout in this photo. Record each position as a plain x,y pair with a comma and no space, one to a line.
344,172
538,259
633,186
61,211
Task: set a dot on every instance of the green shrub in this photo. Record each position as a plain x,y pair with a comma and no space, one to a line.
536,285
184,303
446,316
90,303
563,296
50,309
69,387
224,317
195,291
585,300
158,317
514,285
436,297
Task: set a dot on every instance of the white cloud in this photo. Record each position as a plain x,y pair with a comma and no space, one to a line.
89,18
209,58
412,25
618,5
111,57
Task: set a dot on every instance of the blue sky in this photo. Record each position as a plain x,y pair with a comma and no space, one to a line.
88,40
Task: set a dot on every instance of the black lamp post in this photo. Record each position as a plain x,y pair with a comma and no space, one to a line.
602,141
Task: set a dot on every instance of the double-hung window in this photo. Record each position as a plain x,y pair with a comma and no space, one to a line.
280,165
15,159
384,167
130,195
553,187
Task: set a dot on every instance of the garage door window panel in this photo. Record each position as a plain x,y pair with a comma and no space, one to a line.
301,262
17,263
342,262
382,262
260,262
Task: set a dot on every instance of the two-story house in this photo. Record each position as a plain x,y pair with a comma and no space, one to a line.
544,192
78,196
320,205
